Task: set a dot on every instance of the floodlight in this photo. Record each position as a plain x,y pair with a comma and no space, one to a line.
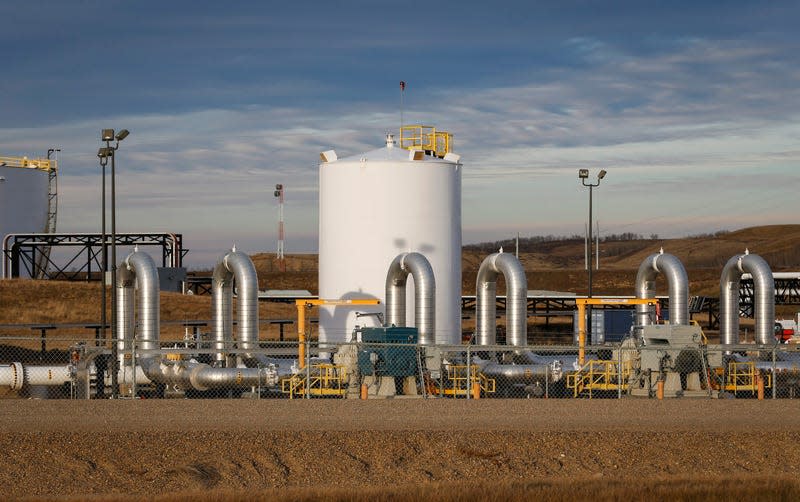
583,173
107,135
601,174
105,152
122,134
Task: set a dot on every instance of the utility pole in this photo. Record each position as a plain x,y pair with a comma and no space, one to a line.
281,258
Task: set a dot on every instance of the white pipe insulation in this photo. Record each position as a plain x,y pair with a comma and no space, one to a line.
424,295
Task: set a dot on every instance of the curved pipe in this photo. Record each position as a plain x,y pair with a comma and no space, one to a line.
678,284
138,267
516,300
424,294
239,267
764,302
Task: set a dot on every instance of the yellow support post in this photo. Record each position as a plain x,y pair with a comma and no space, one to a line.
301,320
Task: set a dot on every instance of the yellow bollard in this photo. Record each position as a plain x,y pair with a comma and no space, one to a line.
364,391
476,390
760,386
660,389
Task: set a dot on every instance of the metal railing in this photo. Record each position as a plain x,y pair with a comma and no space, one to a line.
24,162
427,139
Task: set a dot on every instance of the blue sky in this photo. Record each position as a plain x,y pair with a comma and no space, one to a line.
691,107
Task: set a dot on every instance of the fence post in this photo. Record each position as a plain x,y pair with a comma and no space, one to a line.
307,348
468,386
619,373
774,375
133,367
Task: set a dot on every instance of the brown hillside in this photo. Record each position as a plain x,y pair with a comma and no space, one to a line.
553,266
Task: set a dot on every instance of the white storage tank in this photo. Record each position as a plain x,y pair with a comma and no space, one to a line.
23,195
376,205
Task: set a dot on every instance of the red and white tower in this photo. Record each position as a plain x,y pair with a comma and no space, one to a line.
279,195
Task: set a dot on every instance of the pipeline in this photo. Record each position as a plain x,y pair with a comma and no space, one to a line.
516,300
424,294
764,301
677,281
140,267
15,375
238,266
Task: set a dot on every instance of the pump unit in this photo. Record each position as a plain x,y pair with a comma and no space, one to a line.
394,360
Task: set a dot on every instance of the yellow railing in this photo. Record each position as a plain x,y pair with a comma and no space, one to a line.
742,377
325,380
41,164
459,385
600,375
427,139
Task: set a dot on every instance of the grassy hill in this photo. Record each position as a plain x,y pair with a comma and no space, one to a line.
555,265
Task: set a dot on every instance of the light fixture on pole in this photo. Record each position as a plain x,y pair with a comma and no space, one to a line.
108,136
583,175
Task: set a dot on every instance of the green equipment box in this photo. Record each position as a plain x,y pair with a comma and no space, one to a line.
398,359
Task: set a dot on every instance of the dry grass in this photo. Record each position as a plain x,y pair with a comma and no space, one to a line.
555,267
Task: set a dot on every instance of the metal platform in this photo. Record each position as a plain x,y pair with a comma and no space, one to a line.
24,253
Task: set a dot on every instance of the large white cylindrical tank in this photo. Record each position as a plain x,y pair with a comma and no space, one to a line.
23,200
375,206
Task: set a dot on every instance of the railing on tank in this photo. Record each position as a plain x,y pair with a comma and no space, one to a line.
41,164
427,139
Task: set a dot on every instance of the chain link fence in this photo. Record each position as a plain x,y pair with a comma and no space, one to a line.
644,366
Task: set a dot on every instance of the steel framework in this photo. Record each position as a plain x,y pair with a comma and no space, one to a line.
24,253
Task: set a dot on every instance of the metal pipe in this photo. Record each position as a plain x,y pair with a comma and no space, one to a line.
239,267
516,300
15,375
764,301
424,294
678,284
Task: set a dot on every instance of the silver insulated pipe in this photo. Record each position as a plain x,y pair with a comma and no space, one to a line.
139,268
424,294
678,284
239,267
516,300
764,302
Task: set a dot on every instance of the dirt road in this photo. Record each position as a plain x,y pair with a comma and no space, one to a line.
237,450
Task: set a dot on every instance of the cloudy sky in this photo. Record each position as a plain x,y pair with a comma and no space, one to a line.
692,108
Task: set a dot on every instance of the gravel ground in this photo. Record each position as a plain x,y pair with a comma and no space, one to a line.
148,448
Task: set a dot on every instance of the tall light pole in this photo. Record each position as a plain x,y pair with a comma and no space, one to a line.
583,175
108,136
103,154
281,259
